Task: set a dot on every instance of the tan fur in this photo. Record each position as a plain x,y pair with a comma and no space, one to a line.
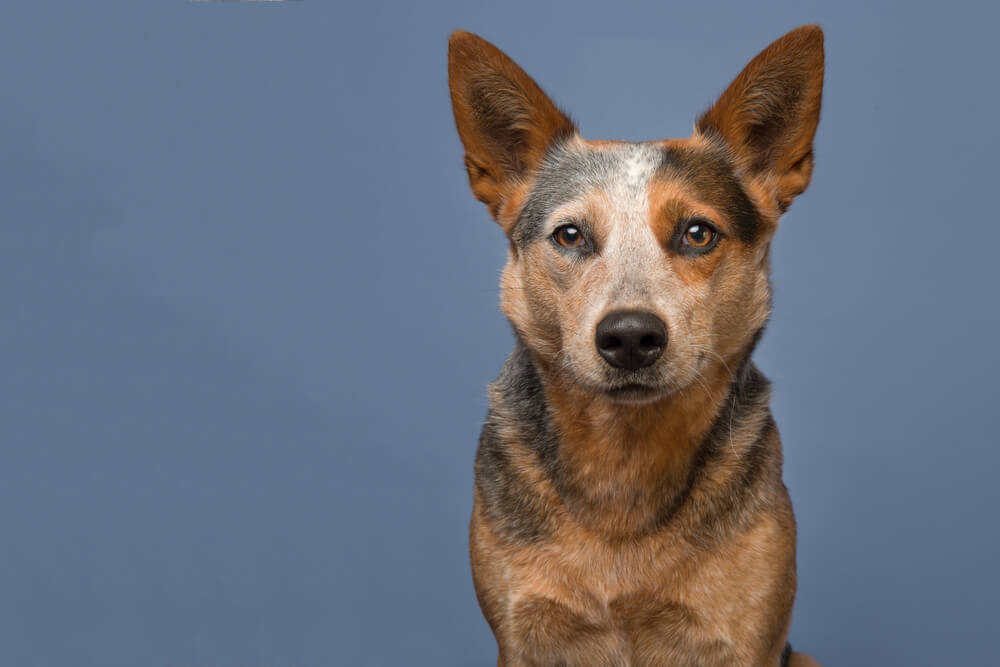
480,75
634,600
786,164
613,578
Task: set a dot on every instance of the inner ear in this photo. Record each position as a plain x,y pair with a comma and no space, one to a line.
504,119
769,114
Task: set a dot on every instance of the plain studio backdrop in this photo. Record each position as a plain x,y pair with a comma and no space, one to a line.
250,312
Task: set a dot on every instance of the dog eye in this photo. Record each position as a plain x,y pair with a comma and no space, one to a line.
700,235
568,236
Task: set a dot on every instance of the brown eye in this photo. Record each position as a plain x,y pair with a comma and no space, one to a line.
569,236
699,235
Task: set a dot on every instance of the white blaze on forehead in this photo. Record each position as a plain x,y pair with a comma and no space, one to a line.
641,162
627,189
632,249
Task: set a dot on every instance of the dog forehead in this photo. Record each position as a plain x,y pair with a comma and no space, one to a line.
625,172
572,170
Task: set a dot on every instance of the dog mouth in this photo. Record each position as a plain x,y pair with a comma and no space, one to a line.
634,393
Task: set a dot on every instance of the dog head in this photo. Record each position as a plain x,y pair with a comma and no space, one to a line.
634,266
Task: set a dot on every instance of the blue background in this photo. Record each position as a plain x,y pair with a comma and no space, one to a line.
249,312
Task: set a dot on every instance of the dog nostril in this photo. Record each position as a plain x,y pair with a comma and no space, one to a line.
610,343
649,340
631,339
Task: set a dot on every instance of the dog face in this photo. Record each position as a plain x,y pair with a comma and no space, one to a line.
634,266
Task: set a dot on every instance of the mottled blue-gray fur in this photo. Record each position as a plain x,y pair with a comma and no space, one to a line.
568,172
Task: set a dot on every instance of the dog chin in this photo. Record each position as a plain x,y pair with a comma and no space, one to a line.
635,394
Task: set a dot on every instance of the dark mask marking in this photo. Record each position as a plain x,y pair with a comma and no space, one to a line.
712,176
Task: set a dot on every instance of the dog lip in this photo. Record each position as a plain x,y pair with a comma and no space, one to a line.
634,393
633,386
633,390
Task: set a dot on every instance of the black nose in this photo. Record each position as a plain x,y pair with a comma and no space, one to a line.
631,339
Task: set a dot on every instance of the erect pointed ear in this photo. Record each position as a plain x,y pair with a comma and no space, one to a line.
505,121
769,113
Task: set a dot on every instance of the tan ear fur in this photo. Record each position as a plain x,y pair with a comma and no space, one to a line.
504,119
769,113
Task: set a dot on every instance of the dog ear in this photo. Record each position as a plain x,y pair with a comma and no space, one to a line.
506,122
769,113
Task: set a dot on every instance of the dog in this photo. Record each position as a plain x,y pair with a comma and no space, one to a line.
629,506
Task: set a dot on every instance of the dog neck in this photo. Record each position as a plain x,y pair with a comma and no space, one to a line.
624,470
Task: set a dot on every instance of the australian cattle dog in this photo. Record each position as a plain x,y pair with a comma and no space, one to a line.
629,505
